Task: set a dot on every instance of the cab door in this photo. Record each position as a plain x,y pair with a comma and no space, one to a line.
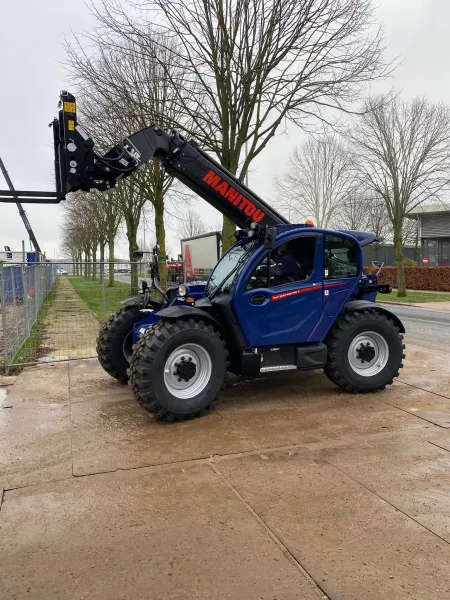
273,312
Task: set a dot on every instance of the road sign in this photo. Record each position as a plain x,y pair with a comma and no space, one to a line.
425,260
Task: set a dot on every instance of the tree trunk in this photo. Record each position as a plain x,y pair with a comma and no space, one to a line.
398,245
228,239
228,227
102,261
87,268
111,261
132,247
161,241
94,261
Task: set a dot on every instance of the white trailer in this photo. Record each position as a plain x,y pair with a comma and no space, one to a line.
200,255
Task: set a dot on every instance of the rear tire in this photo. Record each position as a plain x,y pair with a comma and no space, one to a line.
178,368
114,342
365,352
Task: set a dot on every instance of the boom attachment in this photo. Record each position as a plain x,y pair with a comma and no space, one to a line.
79,167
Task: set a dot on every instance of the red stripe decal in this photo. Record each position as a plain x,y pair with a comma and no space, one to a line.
327,285
283,295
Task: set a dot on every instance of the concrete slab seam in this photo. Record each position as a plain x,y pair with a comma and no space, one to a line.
438,446
413,414
284,549
422,389
384,500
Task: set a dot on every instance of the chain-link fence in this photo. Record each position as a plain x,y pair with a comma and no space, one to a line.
53,312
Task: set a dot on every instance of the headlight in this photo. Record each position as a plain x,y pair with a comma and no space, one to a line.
182,290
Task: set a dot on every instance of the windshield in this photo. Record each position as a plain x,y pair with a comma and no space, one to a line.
224,270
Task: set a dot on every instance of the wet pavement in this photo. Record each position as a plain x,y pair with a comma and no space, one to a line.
287,489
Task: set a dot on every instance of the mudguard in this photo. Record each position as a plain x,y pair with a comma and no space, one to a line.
183,311
356,305
139,301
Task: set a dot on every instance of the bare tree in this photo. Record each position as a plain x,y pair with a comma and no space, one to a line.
123,91
250,65
403,151
191,225
318,181
353,212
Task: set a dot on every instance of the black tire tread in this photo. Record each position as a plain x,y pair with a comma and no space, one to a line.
343,324
145,351
106,336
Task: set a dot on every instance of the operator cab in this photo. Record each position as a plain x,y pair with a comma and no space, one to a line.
273,299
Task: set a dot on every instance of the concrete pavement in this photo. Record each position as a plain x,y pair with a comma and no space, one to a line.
288,489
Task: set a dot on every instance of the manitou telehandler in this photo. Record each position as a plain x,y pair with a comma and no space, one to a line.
283,297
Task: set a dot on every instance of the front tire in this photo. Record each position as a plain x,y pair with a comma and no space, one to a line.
114,342
365,352
178,368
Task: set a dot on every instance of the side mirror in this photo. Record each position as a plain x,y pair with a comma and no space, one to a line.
376,264
270,237
138,254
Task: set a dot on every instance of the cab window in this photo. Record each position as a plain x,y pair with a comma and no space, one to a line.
341,257
287,263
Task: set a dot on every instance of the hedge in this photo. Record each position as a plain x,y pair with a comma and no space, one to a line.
435,279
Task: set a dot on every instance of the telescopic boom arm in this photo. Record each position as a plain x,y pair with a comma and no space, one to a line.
79,167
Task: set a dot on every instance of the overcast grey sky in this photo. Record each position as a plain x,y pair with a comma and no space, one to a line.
32,75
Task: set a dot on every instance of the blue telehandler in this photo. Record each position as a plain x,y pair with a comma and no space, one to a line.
283,297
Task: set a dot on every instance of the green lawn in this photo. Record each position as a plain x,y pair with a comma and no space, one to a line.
91,292
414,297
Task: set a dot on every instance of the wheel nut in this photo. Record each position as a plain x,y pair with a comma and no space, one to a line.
179,378
190,359
176,364
182,358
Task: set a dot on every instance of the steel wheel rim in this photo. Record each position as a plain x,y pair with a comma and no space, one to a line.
193,353
377,344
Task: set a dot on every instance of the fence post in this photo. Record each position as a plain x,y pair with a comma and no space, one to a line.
3,299
25,301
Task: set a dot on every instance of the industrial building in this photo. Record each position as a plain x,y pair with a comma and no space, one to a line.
434,233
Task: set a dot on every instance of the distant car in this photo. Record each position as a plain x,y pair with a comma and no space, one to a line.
61,272
124,270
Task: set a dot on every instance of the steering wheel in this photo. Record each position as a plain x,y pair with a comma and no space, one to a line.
259,281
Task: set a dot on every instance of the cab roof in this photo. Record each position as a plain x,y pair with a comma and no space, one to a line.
364,237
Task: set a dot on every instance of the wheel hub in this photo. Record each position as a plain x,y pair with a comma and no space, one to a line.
186,369
365,353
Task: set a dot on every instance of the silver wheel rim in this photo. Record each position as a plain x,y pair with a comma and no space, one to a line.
378,349
179,387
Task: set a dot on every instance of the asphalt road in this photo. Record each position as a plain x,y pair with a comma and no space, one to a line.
427,327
